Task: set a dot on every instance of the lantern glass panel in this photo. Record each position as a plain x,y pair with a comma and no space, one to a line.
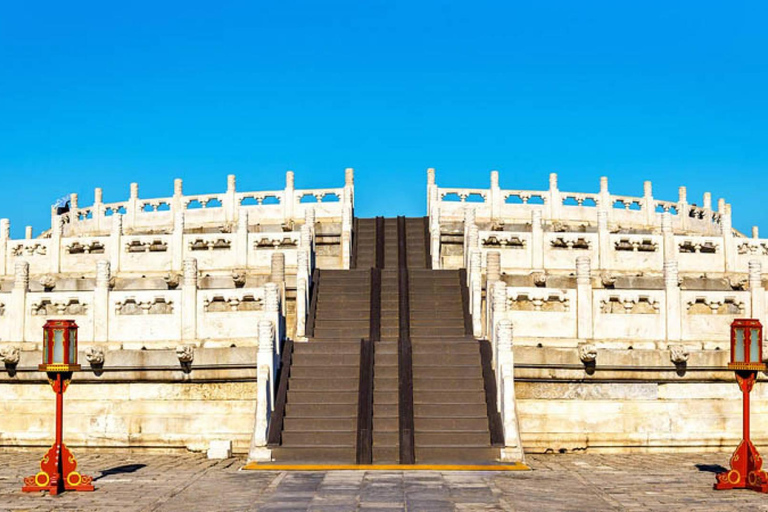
72,346
738,349
45,347
754,345
58,346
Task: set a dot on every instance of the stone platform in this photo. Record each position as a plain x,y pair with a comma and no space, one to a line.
142,481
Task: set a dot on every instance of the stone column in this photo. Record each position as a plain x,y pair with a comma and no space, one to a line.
17,310
289,203
513,449
757,296
101,302
668,237
649,205
116,242
537,241
177,242
555,201
5,238
495,197
230,203
674,306
241,235
584,325
726,231
189,301
682,208
604,248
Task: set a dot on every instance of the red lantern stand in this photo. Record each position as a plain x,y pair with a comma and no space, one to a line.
746,360
58,469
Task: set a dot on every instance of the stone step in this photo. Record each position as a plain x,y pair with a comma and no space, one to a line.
386,454
323,384
440,410
315,454
452,438
447,384
385,424
298,397
322,372
338,424
458,398
475,424
329,360
339,333
318,410
386,439
455,454
442,359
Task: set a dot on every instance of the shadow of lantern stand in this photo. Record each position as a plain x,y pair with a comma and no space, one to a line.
746,360
58,469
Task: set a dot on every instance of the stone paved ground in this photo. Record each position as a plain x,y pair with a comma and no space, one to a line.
128,482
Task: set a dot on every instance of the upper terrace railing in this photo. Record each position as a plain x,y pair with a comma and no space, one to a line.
499,205
280,207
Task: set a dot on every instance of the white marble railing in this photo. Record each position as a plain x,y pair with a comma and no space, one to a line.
497,205
151,319
650,318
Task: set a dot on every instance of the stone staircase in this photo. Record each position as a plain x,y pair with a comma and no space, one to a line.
429,397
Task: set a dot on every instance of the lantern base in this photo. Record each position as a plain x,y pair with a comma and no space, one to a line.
49,479
746,470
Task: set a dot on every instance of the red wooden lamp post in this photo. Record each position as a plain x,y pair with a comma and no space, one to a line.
746,360
58,469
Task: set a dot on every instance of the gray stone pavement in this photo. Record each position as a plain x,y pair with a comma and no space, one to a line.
142,481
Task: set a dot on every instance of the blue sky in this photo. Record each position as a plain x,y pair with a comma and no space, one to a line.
103,94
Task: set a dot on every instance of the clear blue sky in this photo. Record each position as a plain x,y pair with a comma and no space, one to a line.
105,93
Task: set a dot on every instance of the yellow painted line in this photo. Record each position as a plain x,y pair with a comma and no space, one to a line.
269,466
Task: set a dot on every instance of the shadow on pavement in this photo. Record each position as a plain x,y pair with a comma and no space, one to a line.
711,468
128,468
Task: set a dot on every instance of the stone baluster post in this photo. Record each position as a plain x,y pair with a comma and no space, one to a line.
755,232
274,308
230,203
132,210
497,309
17,310
5,239
264,402
492,275
604,247
177,242
469,220
346,238
513,449
673,300
726,231
668,238
584,325
74,214
537,241
101,302
289,203
277,273
757,296
708,212
649,205
54,249
682,208
116,242
241,236
189,301
604,200
97,210
555,202
476,292
302,293
434,235
177,201
495,197
349,188
431,185
28,233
